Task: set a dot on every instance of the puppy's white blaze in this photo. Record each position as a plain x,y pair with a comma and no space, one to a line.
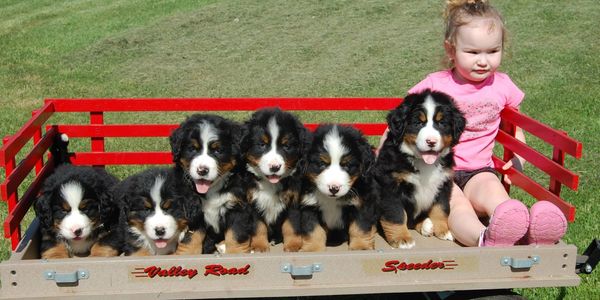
155,190
427,228
207,134
272,157
159,218
334,174
72,192
429,132
334,146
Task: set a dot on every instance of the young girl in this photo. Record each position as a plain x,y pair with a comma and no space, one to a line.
474,42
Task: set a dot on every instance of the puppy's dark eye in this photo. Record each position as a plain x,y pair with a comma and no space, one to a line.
261,145
216,148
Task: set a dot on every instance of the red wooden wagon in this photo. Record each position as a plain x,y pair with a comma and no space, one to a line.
433,265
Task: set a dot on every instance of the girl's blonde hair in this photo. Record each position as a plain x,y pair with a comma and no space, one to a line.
461,12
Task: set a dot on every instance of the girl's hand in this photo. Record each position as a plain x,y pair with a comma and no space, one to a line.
514,162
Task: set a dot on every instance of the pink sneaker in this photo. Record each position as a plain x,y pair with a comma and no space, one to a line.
548,224
507,226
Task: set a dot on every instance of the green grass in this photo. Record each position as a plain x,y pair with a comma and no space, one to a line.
121,48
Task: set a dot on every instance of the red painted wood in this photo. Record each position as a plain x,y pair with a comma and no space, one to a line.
19,139
121,158
164,130
11,200
15,177
36,138
545,164
544,132
14,217
221,104
535,189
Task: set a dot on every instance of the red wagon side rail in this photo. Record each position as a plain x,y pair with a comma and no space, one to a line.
38,130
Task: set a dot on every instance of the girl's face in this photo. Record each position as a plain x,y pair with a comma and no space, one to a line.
477,52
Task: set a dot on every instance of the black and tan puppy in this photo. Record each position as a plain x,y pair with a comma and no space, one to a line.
154,217
339,194
77,214
414,167
274,145
206,152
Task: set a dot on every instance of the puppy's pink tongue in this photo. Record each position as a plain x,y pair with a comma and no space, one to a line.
429,157
160,243
202,186
273,178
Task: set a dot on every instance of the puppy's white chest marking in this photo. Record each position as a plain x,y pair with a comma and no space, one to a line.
80,246
331,209
427,184
268,202
215,206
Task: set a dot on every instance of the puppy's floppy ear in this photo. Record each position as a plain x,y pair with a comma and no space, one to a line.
176,139
458,124
43,210
397,119
367,153
238,134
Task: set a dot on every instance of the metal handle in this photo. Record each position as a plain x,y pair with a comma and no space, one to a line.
520,263
66,278
301,271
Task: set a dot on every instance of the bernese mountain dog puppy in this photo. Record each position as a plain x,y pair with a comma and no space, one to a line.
414,167
275,143
206,152
77,214
153,217
339,194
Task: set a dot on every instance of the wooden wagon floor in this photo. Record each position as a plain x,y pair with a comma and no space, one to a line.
421,242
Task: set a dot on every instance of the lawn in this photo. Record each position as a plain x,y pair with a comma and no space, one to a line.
374,48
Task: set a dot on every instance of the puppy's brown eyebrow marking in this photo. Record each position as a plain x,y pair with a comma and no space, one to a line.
346,159
439,116
195,143
422,117
265,138
66,206
325,158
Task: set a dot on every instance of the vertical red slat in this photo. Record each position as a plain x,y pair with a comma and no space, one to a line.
508,155
97,143
37,136
559,157
15,237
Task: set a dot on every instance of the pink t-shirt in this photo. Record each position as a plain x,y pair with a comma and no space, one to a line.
481,104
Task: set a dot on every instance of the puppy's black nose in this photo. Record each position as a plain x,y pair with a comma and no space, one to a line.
78,232
160,231
333,189
202,171
274,168
431,142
